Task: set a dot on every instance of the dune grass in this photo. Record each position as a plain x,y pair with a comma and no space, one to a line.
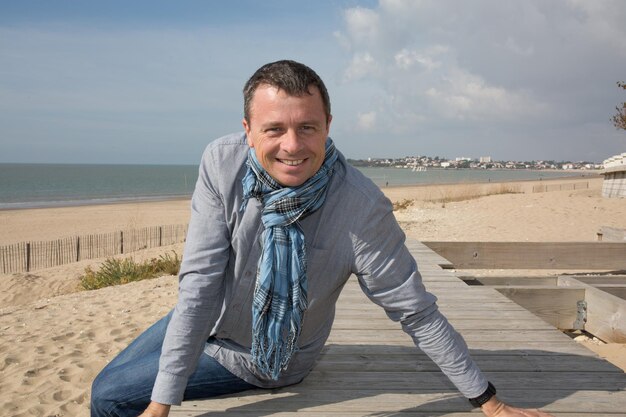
403,204
459,192
121,271
472,191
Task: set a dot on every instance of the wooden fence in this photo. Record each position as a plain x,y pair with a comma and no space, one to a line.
542,188
28,256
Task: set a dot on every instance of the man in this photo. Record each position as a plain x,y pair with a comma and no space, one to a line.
279,222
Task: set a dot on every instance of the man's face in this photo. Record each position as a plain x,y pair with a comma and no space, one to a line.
288,133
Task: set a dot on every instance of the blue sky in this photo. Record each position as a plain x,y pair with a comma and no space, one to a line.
155,81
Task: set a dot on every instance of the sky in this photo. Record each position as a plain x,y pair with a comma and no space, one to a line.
154,81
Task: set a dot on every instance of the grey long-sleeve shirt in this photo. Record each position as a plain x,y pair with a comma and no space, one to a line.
354,232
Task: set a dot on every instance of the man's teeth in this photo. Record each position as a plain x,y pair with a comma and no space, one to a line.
292,162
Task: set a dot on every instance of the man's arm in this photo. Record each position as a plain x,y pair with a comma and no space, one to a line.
201,288
388,275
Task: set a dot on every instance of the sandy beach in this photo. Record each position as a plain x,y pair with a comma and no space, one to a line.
54,339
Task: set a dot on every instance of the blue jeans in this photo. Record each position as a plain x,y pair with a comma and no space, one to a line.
124,386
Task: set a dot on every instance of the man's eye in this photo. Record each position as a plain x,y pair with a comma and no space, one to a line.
308,128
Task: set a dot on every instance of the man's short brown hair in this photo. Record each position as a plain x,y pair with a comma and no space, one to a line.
292,77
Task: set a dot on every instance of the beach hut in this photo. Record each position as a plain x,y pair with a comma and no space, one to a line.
614,184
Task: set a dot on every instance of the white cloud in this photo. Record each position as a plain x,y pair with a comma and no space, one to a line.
509,68
405,59
362,65
465,96
362,24
366,121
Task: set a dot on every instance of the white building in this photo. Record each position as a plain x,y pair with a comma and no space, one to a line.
614,184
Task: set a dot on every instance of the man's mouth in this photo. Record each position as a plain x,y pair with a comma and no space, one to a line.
291,162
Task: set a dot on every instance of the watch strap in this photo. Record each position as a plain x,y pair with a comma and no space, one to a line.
484,397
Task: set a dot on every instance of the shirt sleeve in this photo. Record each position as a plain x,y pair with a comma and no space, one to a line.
388,275
201,288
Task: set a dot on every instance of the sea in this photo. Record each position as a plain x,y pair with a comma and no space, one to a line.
57,185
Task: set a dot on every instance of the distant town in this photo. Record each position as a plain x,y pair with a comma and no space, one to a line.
422,163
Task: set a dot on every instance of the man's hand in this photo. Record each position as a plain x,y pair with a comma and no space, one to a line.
156,410
496,408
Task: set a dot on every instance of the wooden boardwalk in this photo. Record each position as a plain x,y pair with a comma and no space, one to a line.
371,368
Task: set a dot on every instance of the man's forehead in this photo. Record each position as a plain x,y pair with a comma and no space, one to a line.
274,96
311,90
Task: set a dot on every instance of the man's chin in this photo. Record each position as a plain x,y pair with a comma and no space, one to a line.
290,180
296,177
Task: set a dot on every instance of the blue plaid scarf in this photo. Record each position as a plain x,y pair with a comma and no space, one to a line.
280,294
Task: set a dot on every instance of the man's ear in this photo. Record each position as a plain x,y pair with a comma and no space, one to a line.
246,128
330,119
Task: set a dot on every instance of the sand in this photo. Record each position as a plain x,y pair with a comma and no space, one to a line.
54,340
54,223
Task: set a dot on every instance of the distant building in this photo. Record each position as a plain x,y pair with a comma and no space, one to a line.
485,159
614,184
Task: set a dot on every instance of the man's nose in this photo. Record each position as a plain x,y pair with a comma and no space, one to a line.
291,142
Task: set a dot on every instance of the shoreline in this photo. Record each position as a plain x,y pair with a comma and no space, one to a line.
104,201
34,224
33,205
537,180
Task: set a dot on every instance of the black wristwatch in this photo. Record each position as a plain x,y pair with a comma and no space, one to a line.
484,397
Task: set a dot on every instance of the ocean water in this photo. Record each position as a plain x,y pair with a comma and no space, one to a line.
52,185
398,176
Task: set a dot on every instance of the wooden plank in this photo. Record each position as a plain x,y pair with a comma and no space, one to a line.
533,255
526,348
523,346
297,400
606,316
451,313
384,323
436,381
611,234
498,335
475,294
557,306
600,279
619,292
511,280
444,304
605,312
413,360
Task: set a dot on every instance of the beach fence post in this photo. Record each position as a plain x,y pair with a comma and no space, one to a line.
77,248
160,235
121,241
27,256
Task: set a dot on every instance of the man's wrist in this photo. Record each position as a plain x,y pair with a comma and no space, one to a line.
157,409
484,397
492,407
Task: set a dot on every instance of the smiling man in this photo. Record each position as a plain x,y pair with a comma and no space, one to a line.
279,223
288,133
